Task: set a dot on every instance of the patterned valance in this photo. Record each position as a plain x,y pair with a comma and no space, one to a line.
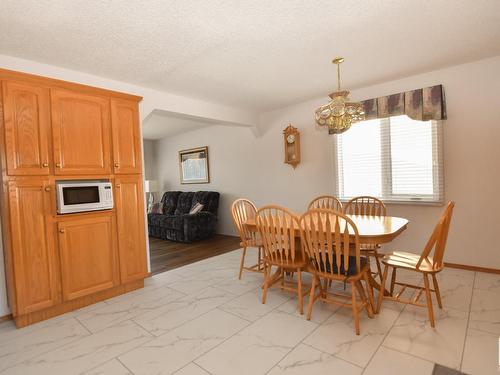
422,104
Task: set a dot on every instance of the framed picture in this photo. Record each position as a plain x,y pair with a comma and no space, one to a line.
193,165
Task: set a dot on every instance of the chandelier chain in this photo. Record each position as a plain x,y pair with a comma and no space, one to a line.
338,77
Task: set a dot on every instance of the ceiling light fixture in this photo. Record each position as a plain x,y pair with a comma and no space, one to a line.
340,113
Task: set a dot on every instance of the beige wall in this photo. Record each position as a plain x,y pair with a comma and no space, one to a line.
244,166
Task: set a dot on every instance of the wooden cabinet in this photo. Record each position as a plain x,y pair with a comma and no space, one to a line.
88,255
27,128
126,137
33,257
54,130
81,133
129,200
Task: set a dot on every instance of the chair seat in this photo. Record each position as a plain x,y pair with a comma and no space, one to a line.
409,261
351,269
257,242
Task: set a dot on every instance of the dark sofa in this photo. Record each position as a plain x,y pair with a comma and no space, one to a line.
177,224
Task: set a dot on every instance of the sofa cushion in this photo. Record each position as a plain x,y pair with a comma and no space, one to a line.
156,208
169,200
166,221
209,200
184,203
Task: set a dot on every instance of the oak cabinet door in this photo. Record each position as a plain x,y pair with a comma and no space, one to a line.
33,251
27,128
81,133
129,199
126,137
88,255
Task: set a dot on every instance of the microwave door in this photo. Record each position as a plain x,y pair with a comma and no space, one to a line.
80,195
79,198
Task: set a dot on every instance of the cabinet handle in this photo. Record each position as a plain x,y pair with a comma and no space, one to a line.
118,186
45,165
62,231
58,165
47,188
117,165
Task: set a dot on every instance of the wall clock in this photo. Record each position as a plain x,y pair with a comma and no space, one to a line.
291,137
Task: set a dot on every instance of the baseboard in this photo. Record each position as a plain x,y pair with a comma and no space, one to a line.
5,318
472,268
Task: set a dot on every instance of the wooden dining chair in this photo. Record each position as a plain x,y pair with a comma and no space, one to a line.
365,206
425,264
326,201
277,227
368,206
242,210
331,241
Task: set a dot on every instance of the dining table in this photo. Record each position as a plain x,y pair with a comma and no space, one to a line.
373,230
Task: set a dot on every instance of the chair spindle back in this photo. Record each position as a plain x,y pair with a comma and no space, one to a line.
242,210
277,227
328,237
325,201
365,205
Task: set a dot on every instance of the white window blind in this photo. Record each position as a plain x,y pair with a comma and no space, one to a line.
395,159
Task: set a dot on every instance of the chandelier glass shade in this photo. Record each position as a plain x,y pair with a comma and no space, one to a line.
340,113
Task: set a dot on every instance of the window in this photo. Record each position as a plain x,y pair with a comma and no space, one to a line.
395,159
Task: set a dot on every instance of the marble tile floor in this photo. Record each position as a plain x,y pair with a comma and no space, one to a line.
200,319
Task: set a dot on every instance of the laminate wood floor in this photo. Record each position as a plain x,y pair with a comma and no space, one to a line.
167,255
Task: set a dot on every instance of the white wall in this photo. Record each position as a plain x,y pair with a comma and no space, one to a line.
244,166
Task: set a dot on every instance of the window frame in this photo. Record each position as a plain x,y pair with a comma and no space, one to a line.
436,199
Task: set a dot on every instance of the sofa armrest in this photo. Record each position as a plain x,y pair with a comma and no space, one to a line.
199,226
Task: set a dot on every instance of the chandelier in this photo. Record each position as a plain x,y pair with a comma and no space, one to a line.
340,113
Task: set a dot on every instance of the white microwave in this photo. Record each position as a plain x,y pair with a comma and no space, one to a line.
81,196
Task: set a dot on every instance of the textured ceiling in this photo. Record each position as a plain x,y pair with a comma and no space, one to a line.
251,54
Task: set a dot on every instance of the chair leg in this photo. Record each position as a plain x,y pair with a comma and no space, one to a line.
393,280
429,299
382,288
436,290
267,271
366,302
311,298
322,290
355,309
259,259
369,288
377,262
242,263
299,287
